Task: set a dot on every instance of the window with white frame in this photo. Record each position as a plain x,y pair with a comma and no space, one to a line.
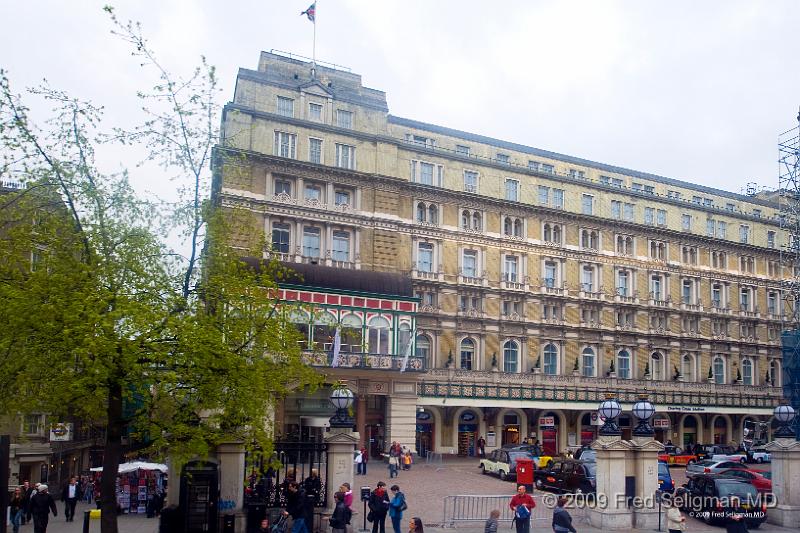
687,367
345,156
462,150
311,242
548,169
588,276
772,303
315,112
510,268
688,291
283,186
657,366
513,227
770,239
624,364
661,217
421,140
722,229
315,150
470,181
427,213
658,250
281,237
590,239
625,245
285,144
657,286
533,165
469,263
341,246
342,197
587,204
285,106
503,159
379,336
512,190
588,362
312,192
675,195
628,212
510,356
422,350
747,372
719,260
344,119
719,370
744,234
550,354
558,198
550,274
746,298
471,220
425,257
467,355
649,215
551,233
686,222
577,174
711,227
717,295
544,195
623,282
689,254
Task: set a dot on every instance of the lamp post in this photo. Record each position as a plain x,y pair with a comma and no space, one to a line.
609,410
342,398
643,410
784,414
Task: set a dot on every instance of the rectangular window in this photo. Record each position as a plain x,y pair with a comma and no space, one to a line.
655,287
686,222
469,263
661,217
744,234
344,119
426,173
730,206
341,246
744,299
770,239
587,279
558,198
345,156
722,230
312,193
315,112
716,295
710,227
510,268
605,180
616,209
425,257
622,282
462,150
577,174
315,150
311,241
280,237
627,212
285,107
285,144
649,189
549,169
342,198
637,186
503,159
470,181
757,213
283,187
512,190
686,295
674,195
649,215
617,182
550,271
587,204
697,200
544,195
533,165
772,303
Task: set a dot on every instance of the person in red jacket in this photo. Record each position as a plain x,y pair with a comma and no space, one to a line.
522,504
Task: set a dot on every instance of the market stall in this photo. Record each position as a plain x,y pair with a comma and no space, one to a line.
138,483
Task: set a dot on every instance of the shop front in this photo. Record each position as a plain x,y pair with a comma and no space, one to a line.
425,432
720,430
548,429
661,426
467,434
589,424
690,430
511,429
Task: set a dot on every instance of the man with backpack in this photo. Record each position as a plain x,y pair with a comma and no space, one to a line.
522,504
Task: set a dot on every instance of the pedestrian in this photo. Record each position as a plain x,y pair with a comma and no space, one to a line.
16,508
70,497
522,504
88,492
364,461
296,507
378,506
313,486
735,523
415,526
396,507
676,522
492,522
392,466
407,460
562,521
27,493
263,527
341,514
42,504
358,460
481,447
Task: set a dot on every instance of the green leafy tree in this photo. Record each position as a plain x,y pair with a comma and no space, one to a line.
100,320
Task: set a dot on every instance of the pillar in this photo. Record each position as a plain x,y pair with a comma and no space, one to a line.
645,452
785,482
401,419
361,418
342,444
230,456
612,514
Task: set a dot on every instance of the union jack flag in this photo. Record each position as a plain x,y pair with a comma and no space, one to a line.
310,12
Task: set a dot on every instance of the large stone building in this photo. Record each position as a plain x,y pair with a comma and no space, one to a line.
543,280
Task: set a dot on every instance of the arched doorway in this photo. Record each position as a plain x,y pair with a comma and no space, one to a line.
468,423
549,426
661,425
511,428
426,429
690,430
720,430
588,428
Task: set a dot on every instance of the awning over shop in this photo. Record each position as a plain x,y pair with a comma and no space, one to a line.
135,465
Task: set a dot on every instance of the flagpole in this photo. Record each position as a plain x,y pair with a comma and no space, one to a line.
314,45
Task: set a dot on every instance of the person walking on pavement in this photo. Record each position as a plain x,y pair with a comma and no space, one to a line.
16,509
396,507
40,507
27,492
522,505
393,463
378,506
70,497
481,447
676,522
415,526
492,522
364,461
735,523
562,521
296,507
341,514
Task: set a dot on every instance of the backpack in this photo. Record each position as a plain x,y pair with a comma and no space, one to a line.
405,505
522,512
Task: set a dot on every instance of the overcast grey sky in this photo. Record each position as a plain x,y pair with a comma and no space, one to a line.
691,90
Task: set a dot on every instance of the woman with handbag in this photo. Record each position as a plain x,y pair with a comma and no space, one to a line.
396,507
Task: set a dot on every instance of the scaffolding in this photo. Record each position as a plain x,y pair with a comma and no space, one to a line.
789,188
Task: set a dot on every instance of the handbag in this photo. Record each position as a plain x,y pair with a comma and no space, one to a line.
370,517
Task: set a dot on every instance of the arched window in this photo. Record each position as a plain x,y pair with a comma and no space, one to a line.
775,373
421,212
433,214
422,350
301,321
517,228
403,338
687,367
747,372
352,336
510,357
557,234
548,235
657,366
476,221
588,362
465,220
508,226
719,370
624,364
467,354
324,330
550,359
379,336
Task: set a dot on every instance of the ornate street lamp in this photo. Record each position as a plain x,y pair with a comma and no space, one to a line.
609,410
342,398
784,414
643,410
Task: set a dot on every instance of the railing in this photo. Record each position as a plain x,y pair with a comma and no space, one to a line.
473,508
370,361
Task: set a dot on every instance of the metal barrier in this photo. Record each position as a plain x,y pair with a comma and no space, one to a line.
474,508
433,458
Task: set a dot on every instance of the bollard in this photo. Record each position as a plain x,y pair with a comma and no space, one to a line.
86,522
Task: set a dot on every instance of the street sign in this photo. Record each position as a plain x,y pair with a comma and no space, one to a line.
60,432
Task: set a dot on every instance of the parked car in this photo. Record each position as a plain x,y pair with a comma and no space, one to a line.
503,462
674,455
758,455
713,498
567,476
760,479
710,466
665,483
540,461
587,455
701,451
726,453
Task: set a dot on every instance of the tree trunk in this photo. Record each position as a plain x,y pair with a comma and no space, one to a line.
111,457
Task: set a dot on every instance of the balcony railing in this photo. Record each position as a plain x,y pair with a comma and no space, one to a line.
686,306
441,383
362,361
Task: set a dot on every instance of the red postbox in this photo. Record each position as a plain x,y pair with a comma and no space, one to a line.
525,471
